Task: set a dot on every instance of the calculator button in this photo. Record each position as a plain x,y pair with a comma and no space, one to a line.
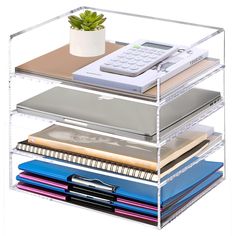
116,64
135,53
153,57
134,67
123,60
125,66
141,50
138,58
131,62
146,60
129,57
141,64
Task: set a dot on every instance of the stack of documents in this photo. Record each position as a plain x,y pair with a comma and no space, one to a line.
119,156
117,196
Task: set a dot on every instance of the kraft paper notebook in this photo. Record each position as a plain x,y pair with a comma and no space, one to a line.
59,64
116,150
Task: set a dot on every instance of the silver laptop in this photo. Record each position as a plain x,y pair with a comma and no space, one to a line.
115,115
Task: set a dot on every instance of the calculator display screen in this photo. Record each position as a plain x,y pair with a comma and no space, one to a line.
159,46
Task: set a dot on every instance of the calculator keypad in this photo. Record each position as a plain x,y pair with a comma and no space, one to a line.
134,60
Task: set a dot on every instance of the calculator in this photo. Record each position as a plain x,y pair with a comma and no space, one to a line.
136,58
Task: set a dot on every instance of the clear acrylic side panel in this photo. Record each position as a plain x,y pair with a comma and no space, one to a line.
159,162
203,166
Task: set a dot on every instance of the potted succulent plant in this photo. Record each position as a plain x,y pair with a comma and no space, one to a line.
87,34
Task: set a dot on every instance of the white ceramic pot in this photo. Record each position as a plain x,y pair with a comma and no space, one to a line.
87,43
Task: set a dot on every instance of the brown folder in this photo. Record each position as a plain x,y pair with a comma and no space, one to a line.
60,64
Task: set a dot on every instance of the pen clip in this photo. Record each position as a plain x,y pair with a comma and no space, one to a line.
94,183
160,66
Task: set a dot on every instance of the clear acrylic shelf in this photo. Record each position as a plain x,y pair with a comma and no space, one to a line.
202,155
164,99
167,136
207,74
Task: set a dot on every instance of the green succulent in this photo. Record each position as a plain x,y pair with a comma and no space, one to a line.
87,21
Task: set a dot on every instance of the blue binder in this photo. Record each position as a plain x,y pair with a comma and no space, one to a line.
113,203
126,188
200,188
153,213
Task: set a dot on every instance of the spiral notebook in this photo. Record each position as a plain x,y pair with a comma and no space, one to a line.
114,167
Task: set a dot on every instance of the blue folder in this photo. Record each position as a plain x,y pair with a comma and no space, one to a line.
126,188
197,190
165,214
113,203
209,181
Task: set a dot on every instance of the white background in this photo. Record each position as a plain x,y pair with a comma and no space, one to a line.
26,215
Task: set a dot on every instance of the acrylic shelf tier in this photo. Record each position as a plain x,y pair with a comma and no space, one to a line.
116,172
35,70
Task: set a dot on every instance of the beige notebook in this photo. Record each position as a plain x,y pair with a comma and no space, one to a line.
184,76
60,64
115,150
206,145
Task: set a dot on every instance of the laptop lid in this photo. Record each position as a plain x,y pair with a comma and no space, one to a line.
109,114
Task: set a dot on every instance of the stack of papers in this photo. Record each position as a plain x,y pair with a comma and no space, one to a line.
117,196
